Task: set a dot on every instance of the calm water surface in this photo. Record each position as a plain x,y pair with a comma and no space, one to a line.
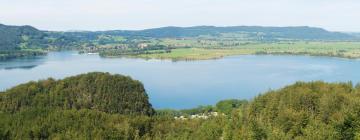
189,84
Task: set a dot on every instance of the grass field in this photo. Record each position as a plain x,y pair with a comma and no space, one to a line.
196,54
333,49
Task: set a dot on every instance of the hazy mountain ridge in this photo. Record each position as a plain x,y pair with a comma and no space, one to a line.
298,33
301,32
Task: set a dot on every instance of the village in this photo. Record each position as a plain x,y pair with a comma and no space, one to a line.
199,116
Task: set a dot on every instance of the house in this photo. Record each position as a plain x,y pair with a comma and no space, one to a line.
142,45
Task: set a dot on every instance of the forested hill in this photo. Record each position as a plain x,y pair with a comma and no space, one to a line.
13,37
268,33
96,91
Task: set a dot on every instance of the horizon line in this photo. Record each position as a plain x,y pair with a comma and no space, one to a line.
166,26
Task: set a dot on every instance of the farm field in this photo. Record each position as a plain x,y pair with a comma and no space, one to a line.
332,49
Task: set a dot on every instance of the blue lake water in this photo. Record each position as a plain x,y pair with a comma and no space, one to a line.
186,84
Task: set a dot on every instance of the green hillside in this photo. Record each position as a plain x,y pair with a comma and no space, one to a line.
315,110
15,37
104,106
96,91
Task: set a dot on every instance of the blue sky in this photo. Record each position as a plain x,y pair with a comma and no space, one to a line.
334,15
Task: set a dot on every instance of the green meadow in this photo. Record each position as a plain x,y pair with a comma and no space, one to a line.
199,52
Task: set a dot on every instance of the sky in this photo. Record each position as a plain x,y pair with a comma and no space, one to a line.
64,15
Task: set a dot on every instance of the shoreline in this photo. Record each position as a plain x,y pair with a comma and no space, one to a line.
230,55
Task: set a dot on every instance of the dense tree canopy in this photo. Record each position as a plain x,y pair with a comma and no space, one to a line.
104,106
96,91
315,110
227,106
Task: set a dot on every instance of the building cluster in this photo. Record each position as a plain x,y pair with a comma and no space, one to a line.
199,116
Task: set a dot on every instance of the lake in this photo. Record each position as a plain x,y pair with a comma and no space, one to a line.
187,84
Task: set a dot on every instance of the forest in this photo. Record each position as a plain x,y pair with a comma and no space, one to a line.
105,106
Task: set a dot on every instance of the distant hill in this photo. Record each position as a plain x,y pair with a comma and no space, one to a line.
308,33
300,33
355,34
11,37
28,37
96,91
20,37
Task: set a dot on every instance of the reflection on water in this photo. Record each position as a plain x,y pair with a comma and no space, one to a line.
22,63
188,84
20,67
